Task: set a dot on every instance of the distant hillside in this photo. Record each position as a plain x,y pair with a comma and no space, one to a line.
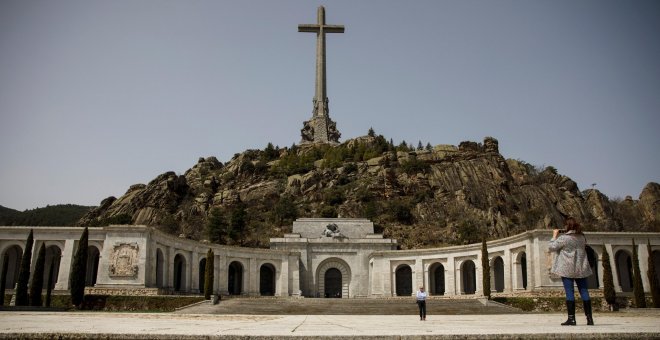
52,215
424,196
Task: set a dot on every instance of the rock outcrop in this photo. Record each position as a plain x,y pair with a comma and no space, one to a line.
442,195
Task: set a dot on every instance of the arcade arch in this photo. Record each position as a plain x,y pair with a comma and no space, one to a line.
267,280
180,269
334,278
468,277
623,262
403,275
12,256
497,272
437,279
235,278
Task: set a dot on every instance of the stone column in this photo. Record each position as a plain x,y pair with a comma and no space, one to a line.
171,252
65,265
294,275
250,276
615,277
450,276
508,271
216,274
418,279
222,277
194,282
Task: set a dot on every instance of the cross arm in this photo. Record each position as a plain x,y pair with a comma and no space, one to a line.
308,28
333,28
317,28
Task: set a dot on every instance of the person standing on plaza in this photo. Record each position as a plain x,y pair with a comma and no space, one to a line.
421,303
572,265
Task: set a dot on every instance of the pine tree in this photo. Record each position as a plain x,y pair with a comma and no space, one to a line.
208,275
608,281
638,288
371,132
3,283
653,278
79,271
38,278
419,146
429,147
485,269
24,273
49,285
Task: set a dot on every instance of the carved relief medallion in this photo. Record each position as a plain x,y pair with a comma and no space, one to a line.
124,259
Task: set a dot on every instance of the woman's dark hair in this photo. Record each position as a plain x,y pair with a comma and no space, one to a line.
572,224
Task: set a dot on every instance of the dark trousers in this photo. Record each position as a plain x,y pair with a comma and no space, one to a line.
422,309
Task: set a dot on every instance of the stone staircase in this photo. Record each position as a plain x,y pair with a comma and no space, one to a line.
356,306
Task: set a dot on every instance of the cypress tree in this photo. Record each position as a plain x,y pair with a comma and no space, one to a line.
653,278
79,271
608,281
208,275
24,273
638,288
3,283
38,278
49,285
485,266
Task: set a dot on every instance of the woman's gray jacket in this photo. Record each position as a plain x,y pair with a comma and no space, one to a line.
571,258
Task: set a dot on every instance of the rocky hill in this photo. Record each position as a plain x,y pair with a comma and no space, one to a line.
425,197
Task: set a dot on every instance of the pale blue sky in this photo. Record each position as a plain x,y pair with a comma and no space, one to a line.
98,95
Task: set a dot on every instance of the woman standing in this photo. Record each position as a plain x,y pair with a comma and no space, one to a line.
572,265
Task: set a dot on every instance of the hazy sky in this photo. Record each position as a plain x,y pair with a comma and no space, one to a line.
98,95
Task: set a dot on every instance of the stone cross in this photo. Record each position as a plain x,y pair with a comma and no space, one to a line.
320,129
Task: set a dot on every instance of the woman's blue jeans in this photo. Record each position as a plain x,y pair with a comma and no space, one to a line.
570,290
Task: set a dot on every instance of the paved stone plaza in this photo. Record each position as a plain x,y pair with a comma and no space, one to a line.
95,325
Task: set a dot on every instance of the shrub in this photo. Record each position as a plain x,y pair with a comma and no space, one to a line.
608,282
653,278
24,273
79,271
638,288
485,265
334,196
38,278
328,211
414,165
208,274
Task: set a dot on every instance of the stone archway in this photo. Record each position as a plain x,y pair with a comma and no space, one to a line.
179,273
623,262
437,279
159,269
323,270
498,274
592,280
12,257
93,255
403,277
267,280
235,278
521,271
53,258
468,277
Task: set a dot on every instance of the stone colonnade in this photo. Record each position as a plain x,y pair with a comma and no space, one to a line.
143,260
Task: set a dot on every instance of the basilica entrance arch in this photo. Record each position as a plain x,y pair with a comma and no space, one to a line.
333,278
267,280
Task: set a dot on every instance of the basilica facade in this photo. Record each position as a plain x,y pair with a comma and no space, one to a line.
331,258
